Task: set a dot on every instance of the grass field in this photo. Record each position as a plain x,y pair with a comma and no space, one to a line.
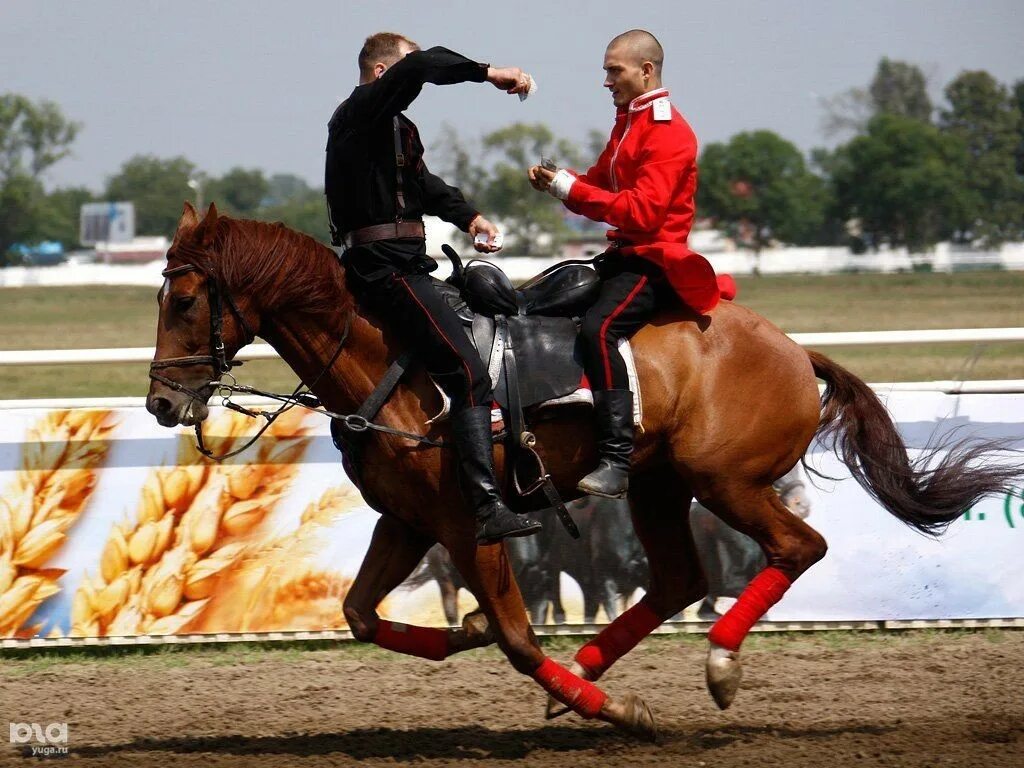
45,318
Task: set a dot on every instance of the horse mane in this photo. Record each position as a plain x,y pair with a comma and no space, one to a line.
276,265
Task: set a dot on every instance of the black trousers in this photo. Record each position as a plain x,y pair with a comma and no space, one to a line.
632,290
397,287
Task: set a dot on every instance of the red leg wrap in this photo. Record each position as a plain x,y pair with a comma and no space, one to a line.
617,639
425,642
762,593
582,697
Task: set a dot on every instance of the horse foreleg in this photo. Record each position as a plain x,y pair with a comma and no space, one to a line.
676,577
791,547
486,568
395,551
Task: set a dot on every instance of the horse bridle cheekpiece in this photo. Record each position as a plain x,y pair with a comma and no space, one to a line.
217,358
302,396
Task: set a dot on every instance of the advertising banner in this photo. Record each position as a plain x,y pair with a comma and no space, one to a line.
113,526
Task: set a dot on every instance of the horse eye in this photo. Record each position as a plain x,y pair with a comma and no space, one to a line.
184,303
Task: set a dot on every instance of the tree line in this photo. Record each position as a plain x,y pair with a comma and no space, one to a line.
908,173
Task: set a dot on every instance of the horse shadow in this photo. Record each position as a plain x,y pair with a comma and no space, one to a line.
475,743
466,743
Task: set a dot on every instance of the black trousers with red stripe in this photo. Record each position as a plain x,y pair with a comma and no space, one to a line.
632,290
405,298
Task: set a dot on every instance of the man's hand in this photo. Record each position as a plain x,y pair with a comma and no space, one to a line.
509,79
481,226
540,178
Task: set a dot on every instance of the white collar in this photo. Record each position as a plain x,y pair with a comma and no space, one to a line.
645,100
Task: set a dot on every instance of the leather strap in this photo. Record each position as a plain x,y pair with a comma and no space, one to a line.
372,405
384,232
399,165
497,353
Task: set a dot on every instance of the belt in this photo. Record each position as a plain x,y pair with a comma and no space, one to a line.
377,232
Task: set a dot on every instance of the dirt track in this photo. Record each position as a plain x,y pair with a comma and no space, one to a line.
835,700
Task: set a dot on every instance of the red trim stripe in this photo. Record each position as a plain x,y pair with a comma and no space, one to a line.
602,336
469,375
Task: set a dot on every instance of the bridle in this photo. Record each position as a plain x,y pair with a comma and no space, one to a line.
301,396
217,358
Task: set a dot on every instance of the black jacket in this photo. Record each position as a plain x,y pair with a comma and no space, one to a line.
360,177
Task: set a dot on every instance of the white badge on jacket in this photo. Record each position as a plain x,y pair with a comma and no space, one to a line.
662,110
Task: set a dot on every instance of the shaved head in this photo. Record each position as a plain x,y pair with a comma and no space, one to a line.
640,45
632,65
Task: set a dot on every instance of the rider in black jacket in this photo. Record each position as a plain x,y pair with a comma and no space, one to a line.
378,189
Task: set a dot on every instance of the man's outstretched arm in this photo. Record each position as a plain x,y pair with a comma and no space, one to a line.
396,89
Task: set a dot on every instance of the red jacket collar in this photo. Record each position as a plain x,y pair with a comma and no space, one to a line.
644,101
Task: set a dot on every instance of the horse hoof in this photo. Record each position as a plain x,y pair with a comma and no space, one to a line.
724,672
637,718
555,709
478,629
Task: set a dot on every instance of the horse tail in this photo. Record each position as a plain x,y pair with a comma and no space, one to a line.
923,494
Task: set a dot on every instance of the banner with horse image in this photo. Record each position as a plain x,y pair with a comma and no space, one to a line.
113,526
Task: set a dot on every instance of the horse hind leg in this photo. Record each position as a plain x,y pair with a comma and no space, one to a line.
676,578
790,546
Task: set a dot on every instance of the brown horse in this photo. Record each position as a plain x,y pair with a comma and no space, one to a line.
730,404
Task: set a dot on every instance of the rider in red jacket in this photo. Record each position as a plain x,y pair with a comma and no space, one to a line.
643,185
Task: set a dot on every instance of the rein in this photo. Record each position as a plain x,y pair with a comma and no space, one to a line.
302,396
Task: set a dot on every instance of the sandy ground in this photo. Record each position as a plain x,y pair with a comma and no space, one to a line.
914,699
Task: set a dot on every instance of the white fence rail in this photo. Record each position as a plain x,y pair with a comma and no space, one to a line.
266,352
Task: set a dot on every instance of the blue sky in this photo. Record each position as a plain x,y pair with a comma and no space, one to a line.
250,83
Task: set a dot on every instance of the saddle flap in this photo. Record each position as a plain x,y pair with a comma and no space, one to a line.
549,363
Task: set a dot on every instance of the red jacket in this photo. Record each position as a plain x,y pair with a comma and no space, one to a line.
643,184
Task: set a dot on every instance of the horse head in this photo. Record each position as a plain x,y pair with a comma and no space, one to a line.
201,326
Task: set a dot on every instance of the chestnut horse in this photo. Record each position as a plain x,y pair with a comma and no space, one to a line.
730,404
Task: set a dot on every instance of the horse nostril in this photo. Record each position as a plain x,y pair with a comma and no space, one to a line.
160,405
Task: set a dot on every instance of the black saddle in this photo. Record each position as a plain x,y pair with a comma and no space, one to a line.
526,337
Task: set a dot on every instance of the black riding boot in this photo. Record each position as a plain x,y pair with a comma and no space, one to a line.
613,409
472,430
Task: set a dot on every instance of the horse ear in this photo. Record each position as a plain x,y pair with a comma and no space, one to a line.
189,217
208,227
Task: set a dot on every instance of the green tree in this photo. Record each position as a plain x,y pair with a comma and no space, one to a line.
33,137
157,187
60,215
758,187
899,88
984,116
452,158
305,212
534,222
284,187
240,191
1018,98
903,182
